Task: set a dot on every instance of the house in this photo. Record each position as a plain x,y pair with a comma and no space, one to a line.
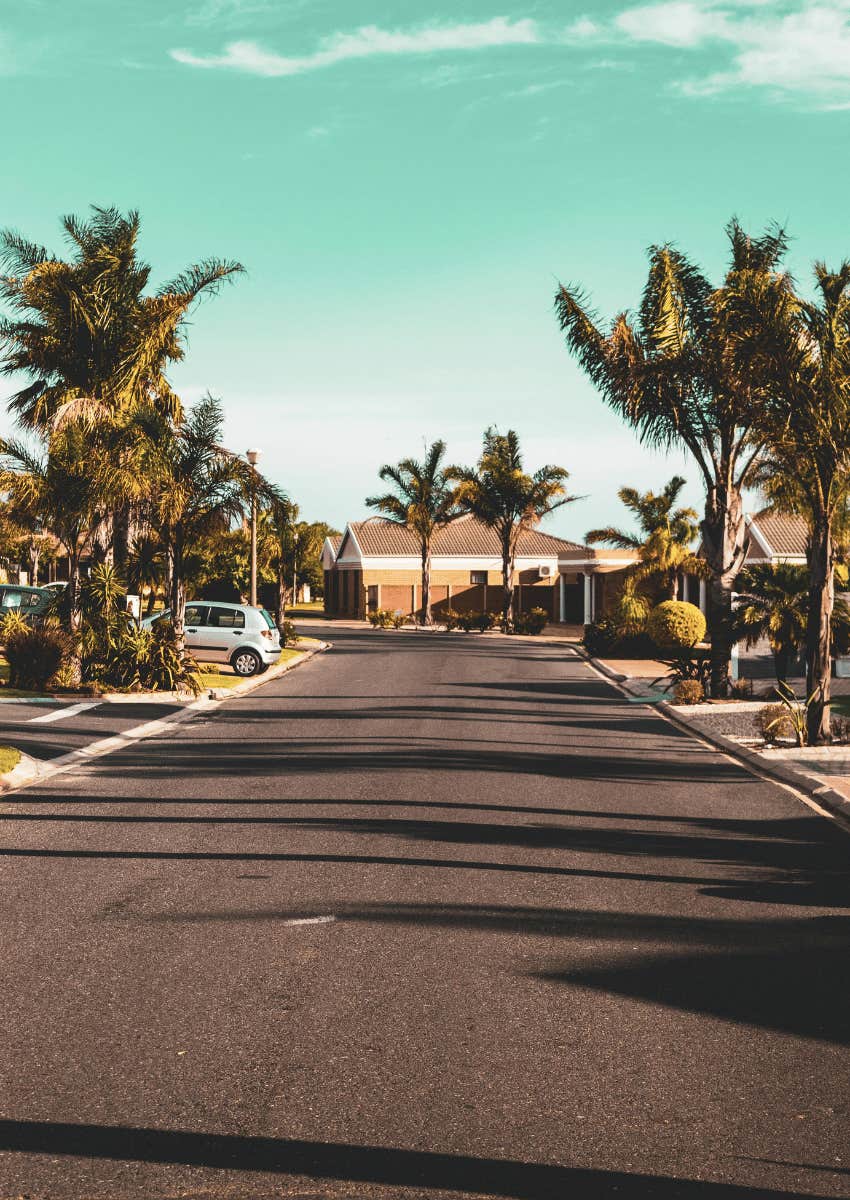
776,537
377,564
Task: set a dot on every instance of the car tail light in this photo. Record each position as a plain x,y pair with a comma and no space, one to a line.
267,633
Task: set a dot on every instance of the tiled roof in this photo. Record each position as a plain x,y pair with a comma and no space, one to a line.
335,540
785,535
466,536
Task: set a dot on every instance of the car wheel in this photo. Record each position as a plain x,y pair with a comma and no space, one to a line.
246,663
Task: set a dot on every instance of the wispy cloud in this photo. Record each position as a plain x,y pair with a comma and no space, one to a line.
367,42
799,48
795,48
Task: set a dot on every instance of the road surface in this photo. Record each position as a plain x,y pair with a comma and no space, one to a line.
431,915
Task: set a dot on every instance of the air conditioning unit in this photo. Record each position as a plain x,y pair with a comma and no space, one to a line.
545,571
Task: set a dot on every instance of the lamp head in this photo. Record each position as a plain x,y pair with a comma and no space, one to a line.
252,456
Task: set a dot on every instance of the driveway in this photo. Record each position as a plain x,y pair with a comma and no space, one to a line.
432,915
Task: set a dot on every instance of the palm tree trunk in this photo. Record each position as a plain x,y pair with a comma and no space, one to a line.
121,521
75,612
426,583
177,595
281,595
781,659
725,542
507,585
819,631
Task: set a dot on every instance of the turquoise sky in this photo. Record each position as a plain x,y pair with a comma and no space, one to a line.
406,183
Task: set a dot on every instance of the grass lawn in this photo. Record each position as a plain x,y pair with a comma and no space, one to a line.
840,706
315,608
217,675
9,758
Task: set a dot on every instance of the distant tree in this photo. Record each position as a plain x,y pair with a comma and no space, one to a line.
423,500
663,543
199,488
499,493
65,489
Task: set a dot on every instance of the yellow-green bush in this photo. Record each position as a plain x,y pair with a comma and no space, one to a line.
675,625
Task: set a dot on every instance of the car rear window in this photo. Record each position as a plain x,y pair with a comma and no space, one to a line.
268,619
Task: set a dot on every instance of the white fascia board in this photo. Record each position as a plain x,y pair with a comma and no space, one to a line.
755,532
580,564
355,557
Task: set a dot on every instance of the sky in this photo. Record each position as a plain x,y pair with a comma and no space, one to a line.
406,181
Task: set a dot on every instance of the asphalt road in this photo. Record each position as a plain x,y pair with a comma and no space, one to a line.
430,915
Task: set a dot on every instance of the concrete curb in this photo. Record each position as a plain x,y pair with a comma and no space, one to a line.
258,681
801,781
140,733
20,775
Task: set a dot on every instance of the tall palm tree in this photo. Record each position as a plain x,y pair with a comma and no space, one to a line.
198,487
66,489
424,500
92,343
671,373
797,352
500,493
666,533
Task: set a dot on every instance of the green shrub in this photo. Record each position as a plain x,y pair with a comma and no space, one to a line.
600,637
288,636
675,624
36,654
688,691
401,619
450,619
477,622
630,613
533,622
12,622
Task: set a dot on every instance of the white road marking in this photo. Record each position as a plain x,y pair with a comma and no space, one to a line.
310,921
61,713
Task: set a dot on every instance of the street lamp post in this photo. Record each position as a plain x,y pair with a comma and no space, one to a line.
252,456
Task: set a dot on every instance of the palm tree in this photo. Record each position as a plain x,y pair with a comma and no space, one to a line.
91,342
198,487
146,567
672,376
666,533
65,489
500,494
798,354
424,500
773,603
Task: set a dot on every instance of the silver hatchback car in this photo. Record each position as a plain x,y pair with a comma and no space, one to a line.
238,634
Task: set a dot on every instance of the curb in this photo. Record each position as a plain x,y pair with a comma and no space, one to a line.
65,762
20,775
258,681
802,781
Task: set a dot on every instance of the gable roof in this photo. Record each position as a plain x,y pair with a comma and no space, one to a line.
379,538
783,536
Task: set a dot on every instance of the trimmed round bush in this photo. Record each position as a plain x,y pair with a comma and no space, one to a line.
675,625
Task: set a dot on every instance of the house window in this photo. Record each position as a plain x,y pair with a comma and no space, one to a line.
477,577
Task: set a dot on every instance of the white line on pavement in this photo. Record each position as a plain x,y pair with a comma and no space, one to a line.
61,713
310,921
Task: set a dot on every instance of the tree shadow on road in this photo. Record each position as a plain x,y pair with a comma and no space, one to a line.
334,1161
